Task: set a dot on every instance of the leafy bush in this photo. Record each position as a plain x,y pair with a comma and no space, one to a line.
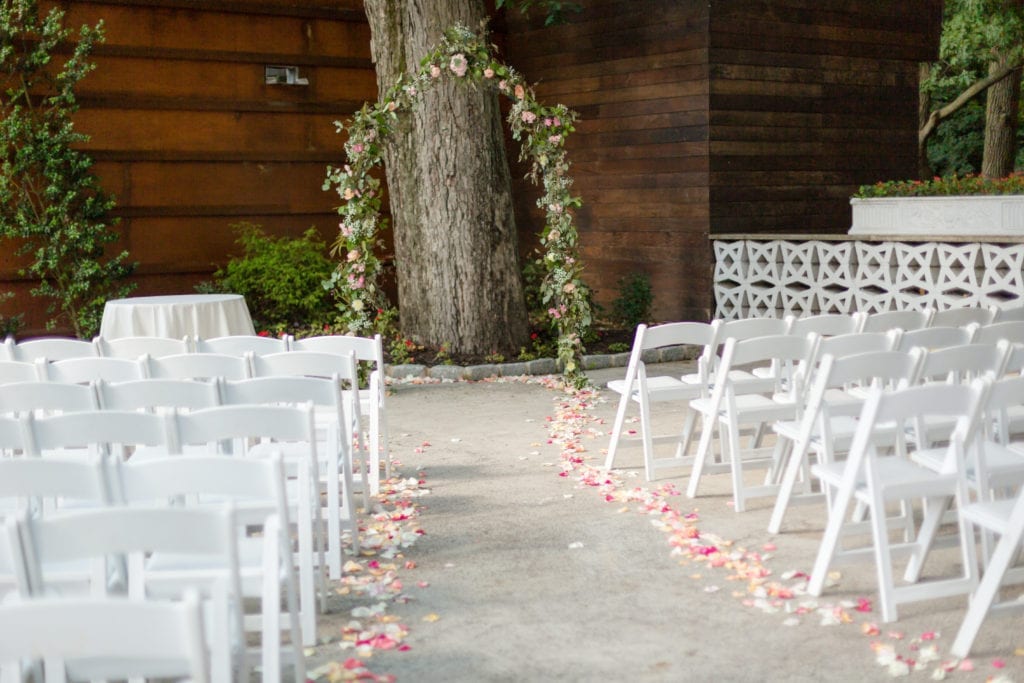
939,187
281,279
633,304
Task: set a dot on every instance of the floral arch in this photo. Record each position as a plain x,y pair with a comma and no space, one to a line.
466,56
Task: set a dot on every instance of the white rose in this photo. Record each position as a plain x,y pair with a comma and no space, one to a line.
357,305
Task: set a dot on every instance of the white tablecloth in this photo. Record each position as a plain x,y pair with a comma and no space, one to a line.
198,315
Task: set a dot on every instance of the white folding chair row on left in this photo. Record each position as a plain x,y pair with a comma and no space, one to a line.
874,480
639,388
119,638
202,542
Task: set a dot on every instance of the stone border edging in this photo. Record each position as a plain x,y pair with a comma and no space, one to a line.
540,366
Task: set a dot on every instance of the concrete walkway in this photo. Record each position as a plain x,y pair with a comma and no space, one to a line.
525,575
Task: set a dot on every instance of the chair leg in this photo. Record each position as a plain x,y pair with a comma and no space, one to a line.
646,436
735,452
620,419
703,450
797,454
270,626
883,560
686,436
934,509
985,594
830,539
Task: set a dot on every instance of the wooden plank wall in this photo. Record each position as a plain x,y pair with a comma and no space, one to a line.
636,71
191,139
810,99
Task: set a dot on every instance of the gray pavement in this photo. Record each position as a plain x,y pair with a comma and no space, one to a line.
524,575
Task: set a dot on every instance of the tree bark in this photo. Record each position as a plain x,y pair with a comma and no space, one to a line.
924,110
1001,112
459,281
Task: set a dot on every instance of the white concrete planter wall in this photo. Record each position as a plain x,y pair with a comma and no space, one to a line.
989,216
804,276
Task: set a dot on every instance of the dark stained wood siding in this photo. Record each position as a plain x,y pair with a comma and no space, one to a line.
637,74
189,137
724,116
810,99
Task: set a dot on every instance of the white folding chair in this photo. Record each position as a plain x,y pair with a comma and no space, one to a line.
43,487
1012,312
256,490
368,350
935,337
45,398
333,449
240,426
241,344
873,480
198,366
728,409
638,387
905,320
133,347
963,316
157,395
90,369
119,638
829,416
827,324
1004,518
342,368
1011,330
200,545
17,371
110,433
50,348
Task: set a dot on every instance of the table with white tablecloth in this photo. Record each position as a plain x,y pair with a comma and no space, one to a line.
197,315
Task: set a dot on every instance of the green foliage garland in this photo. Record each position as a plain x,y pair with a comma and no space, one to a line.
466,56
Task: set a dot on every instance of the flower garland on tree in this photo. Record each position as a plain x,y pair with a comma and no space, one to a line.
464,55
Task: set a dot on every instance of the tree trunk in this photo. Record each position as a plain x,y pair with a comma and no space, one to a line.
459,280
1001,111
924,110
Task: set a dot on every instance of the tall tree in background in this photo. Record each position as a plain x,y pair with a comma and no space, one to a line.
981,51
459,280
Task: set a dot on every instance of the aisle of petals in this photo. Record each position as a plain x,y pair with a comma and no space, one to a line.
375,579
711,558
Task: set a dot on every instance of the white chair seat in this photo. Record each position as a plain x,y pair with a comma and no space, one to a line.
993,515
660,388
902,478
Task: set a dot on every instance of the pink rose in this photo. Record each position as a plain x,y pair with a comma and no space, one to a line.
357,148
529,116
555,139
548,121
556,121
502,85
520,92
458,65
488,73
435,71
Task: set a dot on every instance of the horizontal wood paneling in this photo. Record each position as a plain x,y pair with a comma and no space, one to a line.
637,74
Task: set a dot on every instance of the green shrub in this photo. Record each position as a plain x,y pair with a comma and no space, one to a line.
633,304
281,279
940,187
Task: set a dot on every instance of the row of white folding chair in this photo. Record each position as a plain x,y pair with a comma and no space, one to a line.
876,481
77,544
119,433
119,638
325,393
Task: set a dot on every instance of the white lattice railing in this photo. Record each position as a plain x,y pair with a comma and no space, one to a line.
776,276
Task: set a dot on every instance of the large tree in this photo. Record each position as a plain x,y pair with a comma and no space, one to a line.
459,280
981,51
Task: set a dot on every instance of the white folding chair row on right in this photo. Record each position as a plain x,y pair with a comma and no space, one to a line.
875,480
731,407
118,638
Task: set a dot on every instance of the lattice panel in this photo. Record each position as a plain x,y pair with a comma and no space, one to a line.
774,278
